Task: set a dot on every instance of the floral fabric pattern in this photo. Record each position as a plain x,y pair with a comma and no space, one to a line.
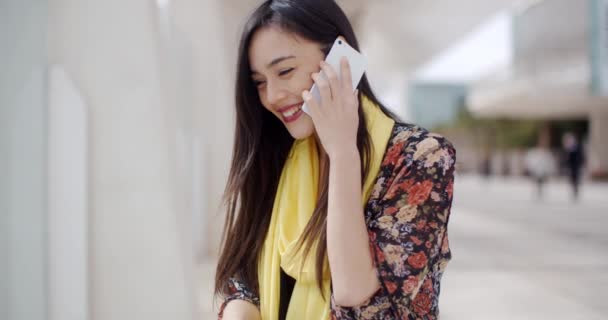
238,291
407,217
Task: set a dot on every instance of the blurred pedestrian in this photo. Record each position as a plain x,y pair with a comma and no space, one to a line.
485,167
540,163
574,160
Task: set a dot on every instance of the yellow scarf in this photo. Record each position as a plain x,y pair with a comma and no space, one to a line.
293,206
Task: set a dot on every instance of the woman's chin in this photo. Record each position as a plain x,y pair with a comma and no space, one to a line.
301,130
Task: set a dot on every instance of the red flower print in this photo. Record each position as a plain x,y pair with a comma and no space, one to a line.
372,250
391,211
428,285
410,284
450,189
416,241
380,255
397,187
417,260
421,224
372,236
422,304
393,155
390,286
419,192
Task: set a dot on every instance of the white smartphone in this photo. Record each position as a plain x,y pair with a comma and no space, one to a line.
356,60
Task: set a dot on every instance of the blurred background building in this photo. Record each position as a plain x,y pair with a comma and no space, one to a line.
116,128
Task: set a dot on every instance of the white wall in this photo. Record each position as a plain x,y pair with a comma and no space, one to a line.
23,154
204,116
4,214
138,260
67,235
209,30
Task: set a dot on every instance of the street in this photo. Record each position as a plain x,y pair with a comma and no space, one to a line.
518,258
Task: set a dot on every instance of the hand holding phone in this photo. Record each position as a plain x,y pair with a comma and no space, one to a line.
356,61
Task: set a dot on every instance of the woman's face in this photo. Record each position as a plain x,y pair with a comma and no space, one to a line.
281,67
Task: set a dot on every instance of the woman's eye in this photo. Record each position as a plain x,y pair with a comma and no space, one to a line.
284,72
258,83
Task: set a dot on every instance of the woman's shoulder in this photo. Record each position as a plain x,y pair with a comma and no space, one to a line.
415,142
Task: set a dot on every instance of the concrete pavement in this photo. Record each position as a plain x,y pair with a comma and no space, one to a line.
515,257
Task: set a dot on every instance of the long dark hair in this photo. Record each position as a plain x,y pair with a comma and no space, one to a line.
262,144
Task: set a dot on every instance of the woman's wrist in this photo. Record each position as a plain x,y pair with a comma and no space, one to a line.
345,153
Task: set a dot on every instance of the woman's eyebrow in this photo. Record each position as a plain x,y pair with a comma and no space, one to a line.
278,60
275,61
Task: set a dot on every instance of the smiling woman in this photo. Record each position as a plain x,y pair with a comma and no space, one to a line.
341,213
282,79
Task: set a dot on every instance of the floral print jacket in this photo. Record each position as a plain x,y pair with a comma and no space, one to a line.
407,217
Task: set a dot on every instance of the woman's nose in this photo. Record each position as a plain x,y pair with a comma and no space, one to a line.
275,93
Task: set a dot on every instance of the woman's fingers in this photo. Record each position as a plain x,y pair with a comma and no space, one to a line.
324,89
313,105
334,81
